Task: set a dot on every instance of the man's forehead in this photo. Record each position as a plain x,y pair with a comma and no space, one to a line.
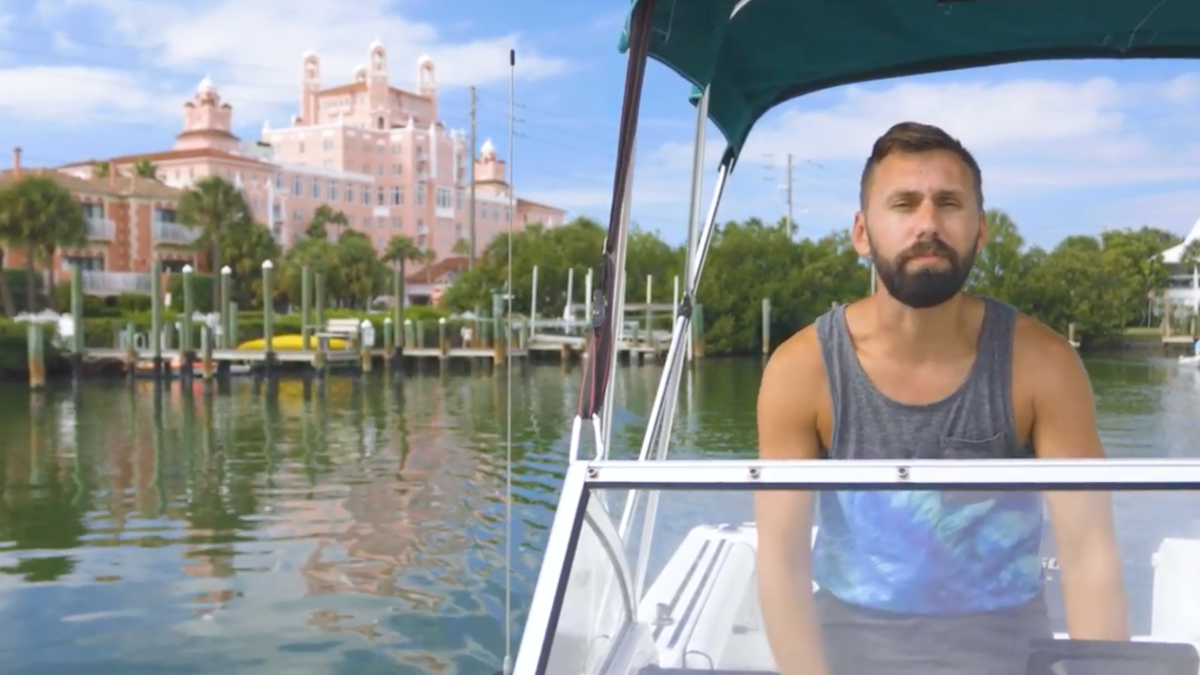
933,171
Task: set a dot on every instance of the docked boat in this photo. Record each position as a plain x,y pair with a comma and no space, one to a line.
650,564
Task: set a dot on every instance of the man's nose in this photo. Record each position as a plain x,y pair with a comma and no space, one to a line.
925,220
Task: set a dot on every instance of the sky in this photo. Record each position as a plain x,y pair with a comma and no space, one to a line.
1066,147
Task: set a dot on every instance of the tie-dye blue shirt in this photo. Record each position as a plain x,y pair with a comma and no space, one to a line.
929,552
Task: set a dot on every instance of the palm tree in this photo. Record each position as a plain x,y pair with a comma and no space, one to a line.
101,169
428,256
324,216
400,250
41,215
144,168
461,247
214,205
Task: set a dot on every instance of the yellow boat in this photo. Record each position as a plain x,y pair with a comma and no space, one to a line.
292,342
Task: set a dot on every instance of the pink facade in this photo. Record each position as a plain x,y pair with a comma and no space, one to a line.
373,151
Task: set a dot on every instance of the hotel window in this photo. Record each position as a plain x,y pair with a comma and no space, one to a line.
458,231
380,222
366,192
458,198
279,180
420,194
333,191
395,169
316,188
328,144
396,201
396,148
379,149
350,192
421,241
297,186
379,170
443,198
397,223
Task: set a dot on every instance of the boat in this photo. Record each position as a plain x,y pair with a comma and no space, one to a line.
174,365
649,565
291,342
1193,360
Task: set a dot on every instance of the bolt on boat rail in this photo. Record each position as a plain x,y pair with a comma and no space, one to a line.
746,57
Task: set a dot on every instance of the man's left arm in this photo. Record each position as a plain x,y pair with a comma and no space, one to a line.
1064,427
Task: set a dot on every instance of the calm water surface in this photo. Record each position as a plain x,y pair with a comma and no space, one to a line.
356,527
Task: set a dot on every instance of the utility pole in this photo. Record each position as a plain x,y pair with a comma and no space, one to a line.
471,177
790,157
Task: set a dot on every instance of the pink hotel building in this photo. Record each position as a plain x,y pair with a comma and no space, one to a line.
373,151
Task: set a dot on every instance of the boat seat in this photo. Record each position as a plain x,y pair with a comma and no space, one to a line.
1053,657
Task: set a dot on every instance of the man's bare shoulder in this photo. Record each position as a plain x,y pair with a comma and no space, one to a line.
791,396
798,356
1040,351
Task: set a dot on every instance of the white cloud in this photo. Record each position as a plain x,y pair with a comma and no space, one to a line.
76,96
253,51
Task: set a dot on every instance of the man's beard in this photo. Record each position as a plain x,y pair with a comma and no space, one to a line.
929,286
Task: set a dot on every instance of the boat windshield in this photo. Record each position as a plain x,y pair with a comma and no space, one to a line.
914,568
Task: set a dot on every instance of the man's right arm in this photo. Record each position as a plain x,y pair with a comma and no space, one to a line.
789,397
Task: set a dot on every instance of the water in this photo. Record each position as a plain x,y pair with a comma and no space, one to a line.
357,530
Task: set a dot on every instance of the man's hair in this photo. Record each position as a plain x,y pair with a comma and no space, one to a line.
916,138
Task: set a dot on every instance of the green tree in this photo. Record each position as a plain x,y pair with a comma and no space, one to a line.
245,244
214,205
324,216
362,272
144,168
40,215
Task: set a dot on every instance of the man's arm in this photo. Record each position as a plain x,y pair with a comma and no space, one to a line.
1064,427
787,429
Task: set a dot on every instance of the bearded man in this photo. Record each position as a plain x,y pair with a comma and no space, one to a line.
927,582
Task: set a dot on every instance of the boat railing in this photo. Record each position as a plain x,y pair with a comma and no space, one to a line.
588,615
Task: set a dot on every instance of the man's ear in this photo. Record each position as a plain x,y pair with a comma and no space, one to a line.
858,235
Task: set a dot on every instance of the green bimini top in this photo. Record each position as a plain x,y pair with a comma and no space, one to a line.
756,54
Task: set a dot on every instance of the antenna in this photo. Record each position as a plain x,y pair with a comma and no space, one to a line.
508,463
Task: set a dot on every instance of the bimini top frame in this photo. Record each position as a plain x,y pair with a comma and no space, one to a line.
753,475
753,55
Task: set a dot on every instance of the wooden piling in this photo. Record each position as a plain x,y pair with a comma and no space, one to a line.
228,319
156,325
187,331
77,341
766,327
36,338
268,318
366,336
131,355
206,352
305,306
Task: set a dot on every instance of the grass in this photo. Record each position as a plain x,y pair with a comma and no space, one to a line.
1143,332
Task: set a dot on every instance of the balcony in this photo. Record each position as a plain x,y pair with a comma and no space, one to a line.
114,283
101,229
174,234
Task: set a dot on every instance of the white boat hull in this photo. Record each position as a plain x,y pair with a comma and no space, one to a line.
1193,360
703,609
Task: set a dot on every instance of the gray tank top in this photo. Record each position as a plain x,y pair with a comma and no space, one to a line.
906,567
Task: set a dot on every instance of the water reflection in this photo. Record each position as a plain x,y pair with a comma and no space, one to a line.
337,526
